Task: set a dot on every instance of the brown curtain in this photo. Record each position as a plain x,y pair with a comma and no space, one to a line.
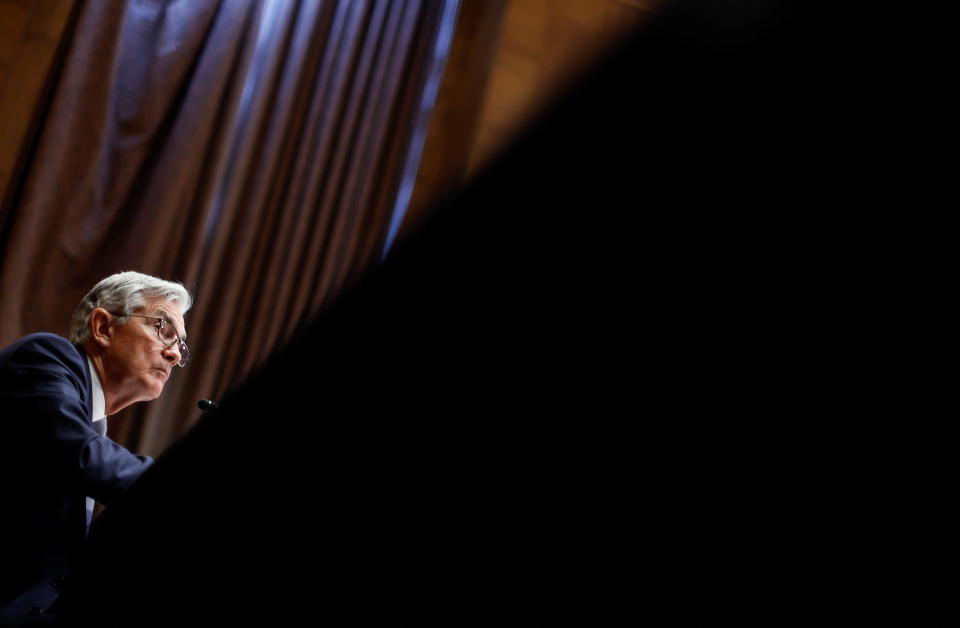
251,149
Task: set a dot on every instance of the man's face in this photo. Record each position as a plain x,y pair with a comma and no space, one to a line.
136,363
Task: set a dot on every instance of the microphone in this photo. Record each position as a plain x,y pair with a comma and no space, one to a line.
207,406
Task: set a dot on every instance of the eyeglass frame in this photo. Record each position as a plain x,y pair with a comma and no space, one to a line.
180,344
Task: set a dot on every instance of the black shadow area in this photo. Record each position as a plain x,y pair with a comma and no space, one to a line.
600,383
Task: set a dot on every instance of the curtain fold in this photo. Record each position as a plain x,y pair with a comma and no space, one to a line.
249,148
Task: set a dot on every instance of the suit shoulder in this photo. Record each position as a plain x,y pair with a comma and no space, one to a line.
43,347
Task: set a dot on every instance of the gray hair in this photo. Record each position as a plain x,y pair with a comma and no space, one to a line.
125,292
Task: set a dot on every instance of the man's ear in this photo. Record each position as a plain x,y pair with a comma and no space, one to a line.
101,331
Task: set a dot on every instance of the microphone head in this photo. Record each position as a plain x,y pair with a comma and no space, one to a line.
206,405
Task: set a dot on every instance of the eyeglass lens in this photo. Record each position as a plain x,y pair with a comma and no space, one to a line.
169,337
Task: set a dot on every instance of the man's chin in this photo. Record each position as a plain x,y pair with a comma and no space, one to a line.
153,388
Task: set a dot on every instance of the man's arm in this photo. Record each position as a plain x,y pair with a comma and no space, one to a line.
44,388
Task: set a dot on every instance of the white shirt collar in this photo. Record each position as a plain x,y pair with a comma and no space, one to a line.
99,401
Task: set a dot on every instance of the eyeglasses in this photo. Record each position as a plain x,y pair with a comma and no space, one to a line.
168,336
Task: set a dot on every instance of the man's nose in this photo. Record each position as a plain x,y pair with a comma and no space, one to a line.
172,353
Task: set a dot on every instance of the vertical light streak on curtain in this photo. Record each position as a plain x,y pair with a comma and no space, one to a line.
321,107
262,317
235,54
379,101
285,140
346,152
242,187
251,212
441,51
333,88
237,129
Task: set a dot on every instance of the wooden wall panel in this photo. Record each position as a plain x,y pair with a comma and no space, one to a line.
545,46
453,122
13,24
31,32
509,60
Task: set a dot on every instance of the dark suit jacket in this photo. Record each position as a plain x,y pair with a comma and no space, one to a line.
51,459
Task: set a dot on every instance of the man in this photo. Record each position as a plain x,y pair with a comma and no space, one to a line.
126,337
